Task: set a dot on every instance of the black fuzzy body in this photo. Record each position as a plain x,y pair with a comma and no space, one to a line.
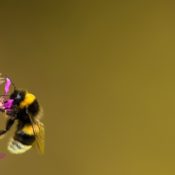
22,115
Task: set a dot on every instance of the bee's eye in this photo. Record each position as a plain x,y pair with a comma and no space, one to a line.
18,97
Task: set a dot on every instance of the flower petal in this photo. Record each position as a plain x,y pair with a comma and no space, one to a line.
7,85
8,104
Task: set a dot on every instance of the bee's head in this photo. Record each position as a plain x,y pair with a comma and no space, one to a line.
22,98
18,96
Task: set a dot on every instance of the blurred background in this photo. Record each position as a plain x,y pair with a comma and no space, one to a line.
104,71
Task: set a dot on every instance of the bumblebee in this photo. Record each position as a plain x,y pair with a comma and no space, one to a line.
27,111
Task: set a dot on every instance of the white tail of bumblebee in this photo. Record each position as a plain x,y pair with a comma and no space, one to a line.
16,147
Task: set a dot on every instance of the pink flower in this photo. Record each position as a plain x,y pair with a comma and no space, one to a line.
8,104
7,85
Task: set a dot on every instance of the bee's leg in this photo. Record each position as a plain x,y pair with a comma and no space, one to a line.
2,132
9,124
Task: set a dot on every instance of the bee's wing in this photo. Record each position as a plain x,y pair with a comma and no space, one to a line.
39,132
40,136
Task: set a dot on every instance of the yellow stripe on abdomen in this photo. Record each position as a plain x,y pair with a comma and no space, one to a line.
30,129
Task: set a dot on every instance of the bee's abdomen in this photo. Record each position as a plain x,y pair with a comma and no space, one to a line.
22,140
17,147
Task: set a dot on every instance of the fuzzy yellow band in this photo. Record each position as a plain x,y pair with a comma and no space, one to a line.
29,98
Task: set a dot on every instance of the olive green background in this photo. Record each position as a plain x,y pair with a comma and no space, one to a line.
104,71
